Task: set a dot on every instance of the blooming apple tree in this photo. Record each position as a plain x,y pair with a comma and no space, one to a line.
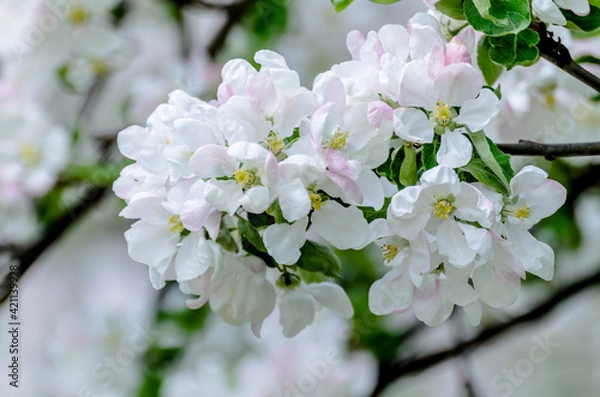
241,199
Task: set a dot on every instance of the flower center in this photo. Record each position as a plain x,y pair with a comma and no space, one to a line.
443,208
316,201
175,224
523,212
274,142
244,177
443,113
389,252
29,153
338,140
78,15
99,67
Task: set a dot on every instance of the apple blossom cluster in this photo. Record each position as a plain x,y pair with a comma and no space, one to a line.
35,149
240,198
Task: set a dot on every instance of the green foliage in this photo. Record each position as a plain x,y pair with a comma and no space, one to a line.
267,19
588,59
497,17
587,23
251,234
489,165
391,168
451,8
371,214
428,155
226,240
408,169
490,69
340,5
511,50
317,257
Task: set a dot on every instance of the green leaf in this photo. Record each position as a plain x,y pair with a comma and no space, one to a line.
451,8
511,50
490,165
588,59
317,257
490,69
251,234
340,5
226,240
408,170
267,19
371,213
428,155
497,17
391,168
384,1
587,23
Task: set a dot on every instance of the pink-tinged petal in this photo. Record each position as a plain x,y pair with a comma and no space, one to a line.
436,59
224,93
292,110
479,112
548,12
430,305
344,228
294,200
329,88
579,7
343,174
150,244
354,42
370,184
262,90
270,59
372,50
379,113
195,213
457,83
496,286
331,296
223,195
256,200
392,293
395,39
283,241
195,133
453,244
456,52
402,215
537,257
296,311
212,161
194,257
324,122
413,125
455,151
416,87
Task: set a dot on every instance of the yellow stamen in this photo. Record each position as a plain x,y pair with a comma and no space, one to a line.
244,177
338,140
389,252
443,113
316,201
100,67
29,153
443,208
78,15
175,224
522,212
274,142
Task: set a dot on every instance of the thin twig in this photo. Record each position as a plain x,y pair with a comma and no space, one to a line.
551,151
394,371
234,14
555,52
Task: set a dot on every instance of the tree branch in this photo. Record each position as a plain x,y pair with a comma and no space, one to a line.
235,12
555,52
390,372
550,151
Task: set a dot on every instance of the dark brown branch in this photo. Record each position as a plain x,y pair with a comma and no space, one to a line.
555,52
389,373
235,12
551,151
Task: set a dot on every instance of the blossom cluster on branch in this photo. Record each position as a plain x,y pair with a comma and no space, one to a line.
239,199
